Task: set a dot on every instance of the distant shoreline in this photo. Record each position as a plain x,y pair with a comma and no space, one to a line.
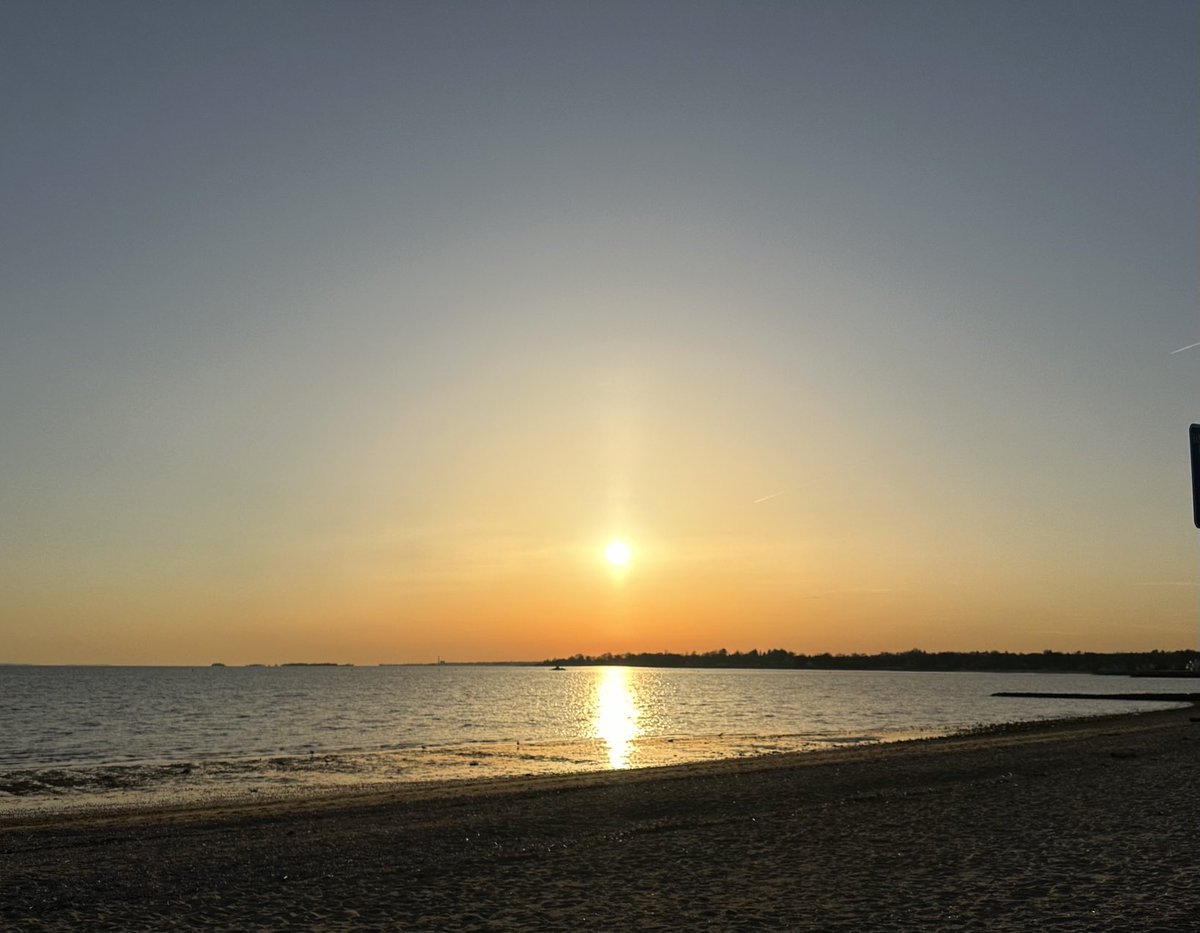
1142,663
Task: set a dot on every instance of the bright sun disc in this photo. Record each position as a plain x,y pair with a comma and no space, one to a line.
617,553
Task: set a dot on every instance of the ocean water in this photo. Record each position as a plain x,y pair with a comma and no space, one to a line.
111,736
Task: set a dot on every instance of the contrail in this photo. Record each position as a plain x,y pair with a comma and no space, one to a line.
1190,346
765,498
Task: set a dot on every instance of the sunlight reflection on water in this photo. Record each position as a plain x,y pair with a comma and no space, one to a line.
615,714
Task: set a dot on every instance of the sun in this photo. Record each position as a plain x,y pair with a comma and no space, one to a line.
618,554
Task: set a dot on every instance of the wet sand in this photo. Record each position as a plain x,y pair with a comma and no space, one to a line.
1088,825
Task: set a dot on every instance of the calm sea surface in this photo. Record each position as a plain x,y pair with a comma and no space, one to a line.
102,736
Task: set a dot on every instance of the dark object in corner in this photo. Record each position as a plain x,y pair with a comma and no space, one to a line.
1194,437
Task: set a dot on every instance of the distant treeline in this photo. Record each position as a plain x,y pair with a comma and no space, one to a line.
915,660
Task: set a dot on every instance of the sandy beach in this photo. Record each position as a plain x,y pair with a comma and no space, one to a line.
1086,825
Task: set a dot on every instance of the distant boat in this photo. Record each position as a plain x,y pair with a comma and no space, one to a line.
557,668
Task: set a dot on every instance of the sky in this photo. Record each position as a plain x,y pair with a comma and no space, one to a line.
355,331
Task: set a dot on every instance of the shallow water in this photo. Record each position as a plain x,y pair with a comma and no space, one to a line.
88,736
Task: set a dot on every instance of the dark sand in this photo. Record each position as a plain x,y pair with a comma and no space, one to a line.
1089,825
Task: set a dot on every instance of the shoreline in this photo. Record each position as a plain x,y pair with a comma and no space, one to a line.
1083,824
410,792
52,792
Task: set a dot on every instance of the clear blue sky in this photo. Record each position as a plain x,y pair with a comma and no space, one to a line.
354,330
